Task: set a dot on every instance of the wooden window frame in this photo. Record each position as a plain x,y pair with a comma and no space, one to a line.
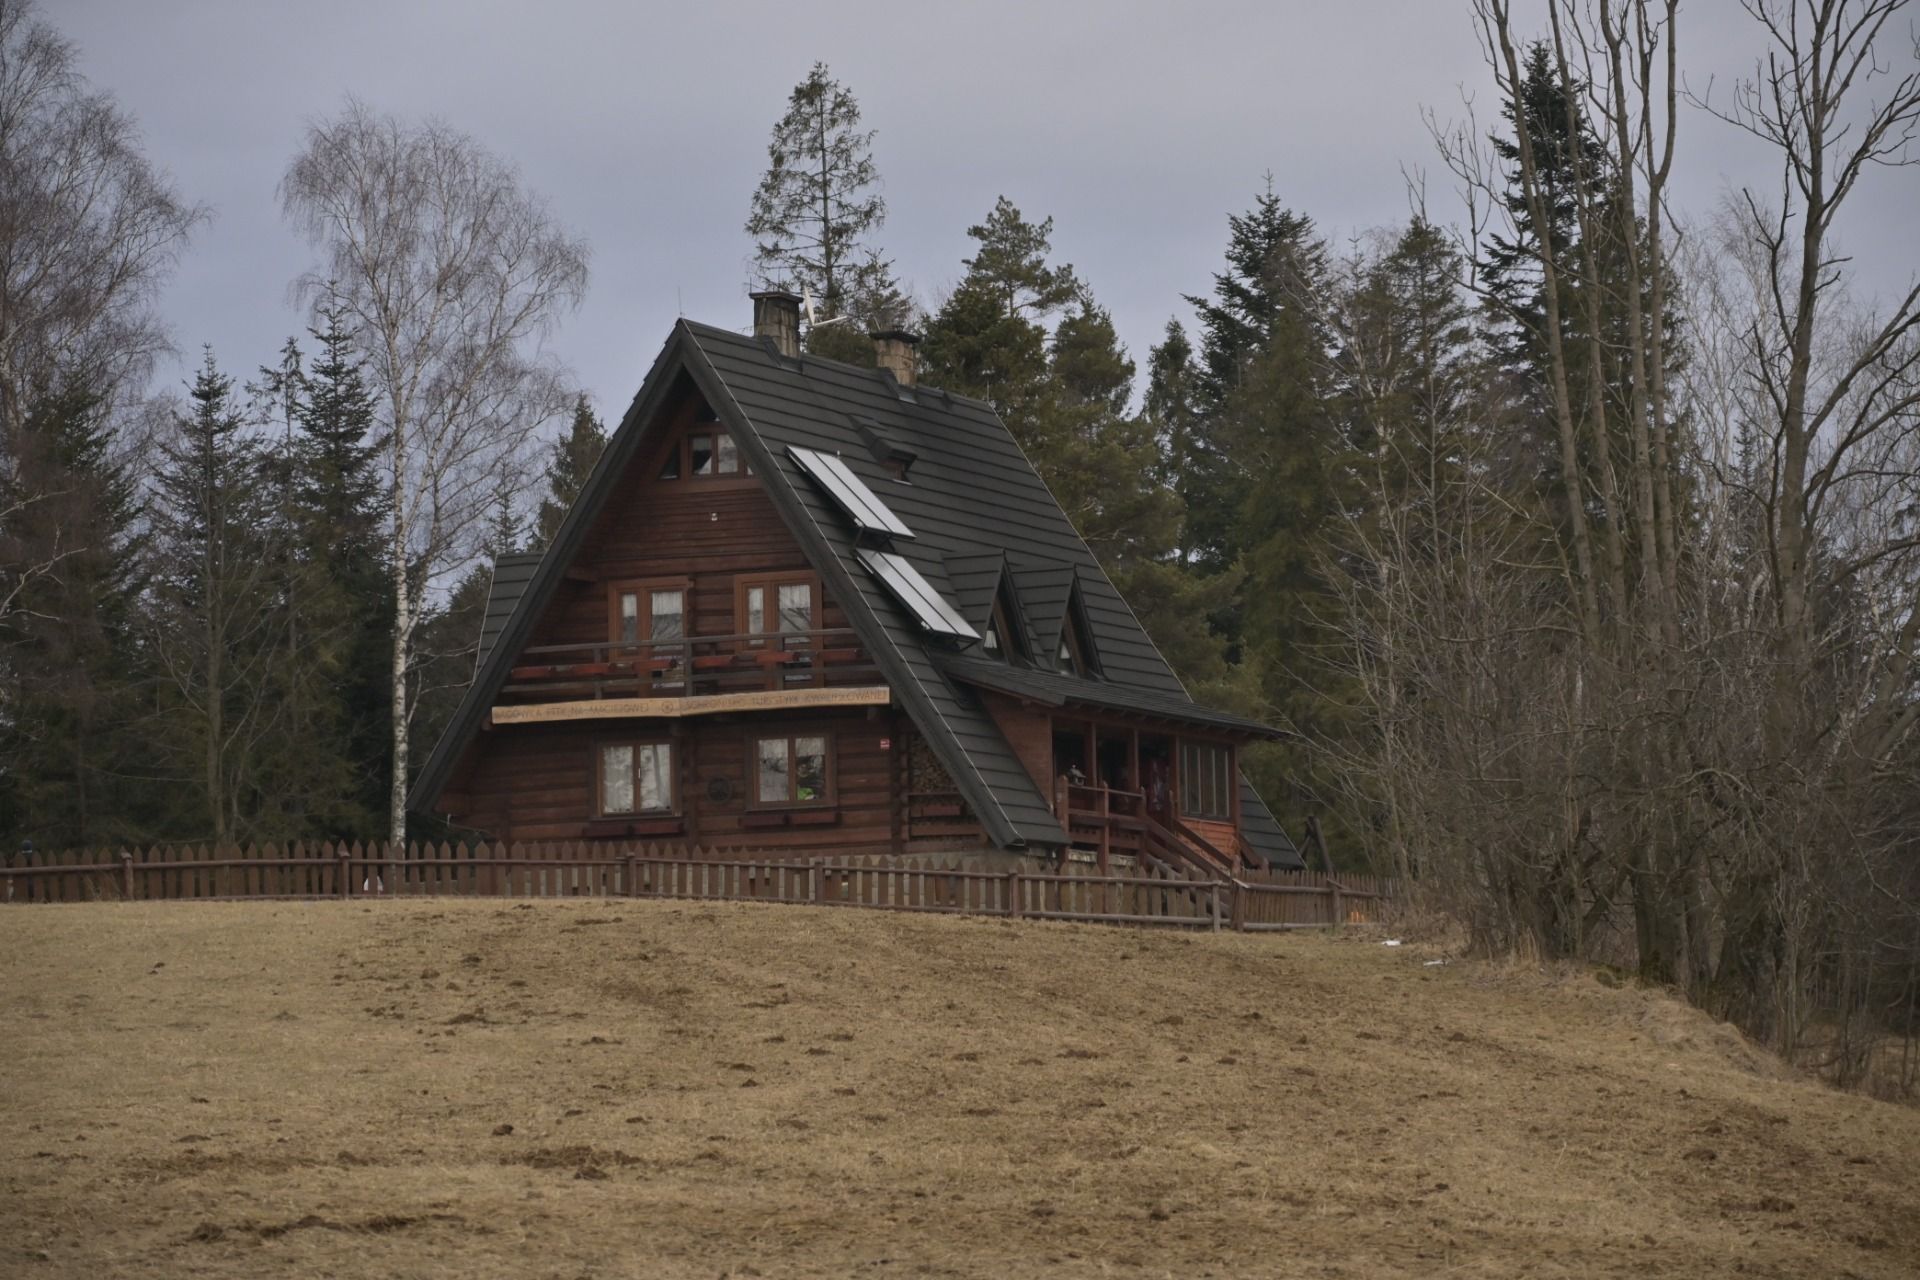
830,770
1228,782
681,451
673,809
771,582
644,589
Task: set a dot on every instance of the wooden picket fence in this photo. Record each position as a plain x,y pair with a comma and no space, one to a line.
1252,902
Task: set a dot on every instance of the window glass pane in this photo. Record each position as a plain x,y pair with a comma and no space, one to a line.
756,610
700,454
990,643
809,768
666,613
629,617
771,788
727,455
616,779
655,777
796,606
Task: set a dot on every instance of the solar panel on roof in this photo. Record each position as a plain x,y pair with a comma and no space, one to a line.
862,505
928,607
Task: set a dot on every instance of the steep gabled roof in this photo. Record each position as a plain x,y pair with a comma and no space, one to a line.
972,500
511,574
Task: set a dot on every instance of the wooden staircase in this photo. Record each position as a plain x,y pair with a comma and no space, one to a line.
1116,823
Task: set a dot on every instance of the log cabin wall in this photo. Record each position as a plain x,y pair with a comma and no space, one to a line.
537,782
704,529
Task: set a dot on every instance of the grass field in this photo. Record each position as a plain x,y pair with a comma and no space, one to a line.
611,1089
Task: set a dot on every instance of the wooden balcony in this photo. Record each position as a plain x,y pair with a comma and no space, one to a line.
691,676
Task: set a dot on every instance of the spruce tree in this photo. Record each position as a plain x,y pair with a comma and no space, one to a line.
341,496
813,213
77,764
569,463
1276,269
215,622
989,339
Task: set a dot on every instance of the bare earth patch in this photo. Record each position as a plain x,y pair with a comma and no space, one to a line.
483,1089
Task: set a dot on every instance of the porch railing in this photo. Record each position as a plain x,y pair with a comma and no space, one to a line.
1110,821
692,665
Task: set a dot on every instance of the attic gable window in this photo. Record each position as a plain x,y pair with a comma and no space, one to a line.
705,453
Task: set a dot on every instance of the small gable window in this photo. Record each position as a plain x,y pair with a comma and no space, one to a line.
705,453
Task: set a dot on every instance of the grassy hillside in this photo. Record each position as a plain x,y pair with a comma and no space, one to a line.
600,1089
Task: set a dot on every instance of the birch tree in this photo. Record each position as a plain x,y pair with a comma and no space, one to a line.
450,274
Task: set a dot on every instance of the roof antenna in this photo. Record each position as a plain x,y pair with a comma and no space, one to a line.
813,322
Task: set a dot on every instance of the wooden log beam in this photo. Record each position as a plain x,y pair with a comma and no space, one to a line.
696,705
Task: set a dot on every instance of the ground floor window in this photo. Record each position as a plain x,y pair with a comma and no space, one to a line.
1206,780
635,777
790,770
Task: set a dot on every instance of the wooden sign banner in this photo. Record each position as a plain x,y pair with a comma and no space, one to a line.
698,705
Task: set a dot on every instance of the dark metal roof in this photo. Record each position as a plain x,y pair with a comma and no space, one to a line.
511,574
1262,834
1059,689
972,499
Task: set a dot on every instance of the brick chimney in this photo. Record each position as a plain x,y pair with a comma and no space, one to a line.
893,351
776,315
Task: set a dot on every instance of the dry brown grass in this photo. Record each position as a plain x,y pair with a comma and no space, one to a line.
242,1090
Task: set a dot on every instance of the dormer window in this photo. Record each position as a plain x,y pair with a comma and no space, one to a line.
1073,655
1003,638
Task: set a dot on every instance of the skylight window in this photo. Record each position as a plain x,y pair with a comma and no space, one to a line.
928,607
850,493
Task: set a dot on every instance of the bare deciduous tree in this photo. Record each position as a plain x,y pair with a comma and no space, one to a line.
90,228
450,273
1676,726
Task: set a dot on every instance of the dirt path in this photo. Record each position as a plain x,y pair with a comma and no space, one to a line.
606,1089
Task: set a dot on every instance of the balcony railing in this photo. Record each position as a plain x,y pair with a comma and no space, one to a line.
693,665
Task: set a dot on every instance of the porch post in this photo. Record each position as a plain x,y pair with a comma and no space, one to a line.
1106,825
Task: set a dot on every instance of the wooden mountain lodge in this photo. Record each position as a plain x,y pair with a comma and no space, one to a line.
806,608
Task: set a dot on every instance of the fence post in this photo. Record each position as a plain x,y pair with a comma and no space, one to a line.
1333,890
815,885
1239,907
1216,906
631,872
1013,893
346,871
126,875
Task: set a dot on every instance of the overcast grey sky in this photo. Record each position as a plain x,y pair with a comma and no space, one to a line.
1138,127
